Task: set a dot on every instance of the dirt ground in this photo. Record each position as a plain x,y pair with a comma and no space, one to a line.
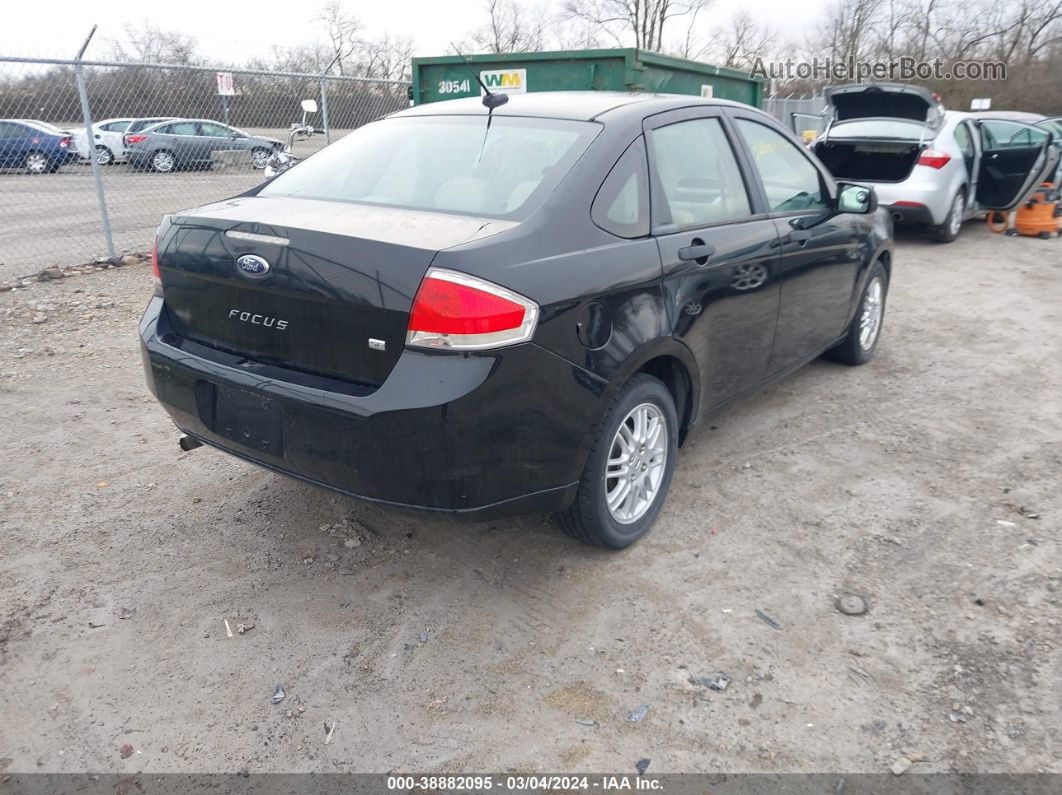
926,482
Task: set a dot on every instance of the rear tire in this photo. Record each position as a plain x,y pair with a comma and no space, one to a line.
104,156
864,332
631,462
163,162
949,230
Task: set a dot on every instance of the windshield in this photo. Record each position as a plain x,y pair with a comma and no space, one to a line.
897,129
443,163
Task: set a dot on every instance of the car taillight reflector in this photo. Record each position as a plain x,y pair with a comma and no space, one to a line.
934,158
156,274
64,143
461,312
135,139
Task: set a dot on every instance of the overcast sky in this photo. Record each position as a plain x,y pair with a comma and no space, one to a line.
239,27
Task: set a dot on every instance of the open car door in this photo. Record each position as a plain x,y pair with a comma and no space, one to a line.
1015,159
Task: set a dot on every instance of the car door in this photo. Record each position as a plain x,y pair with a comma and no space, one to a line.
964,140
718,250
12,144
217,137
820,251
185,140
1015,159
110,135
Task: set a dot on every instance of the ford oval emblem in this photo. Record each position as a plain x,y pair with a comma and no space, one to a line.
252,266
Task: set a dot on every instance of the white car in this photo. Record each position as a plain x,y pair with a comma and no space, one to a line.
108,140
927,165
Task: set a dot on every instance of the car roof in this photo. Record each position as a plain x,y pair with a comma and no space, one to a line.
575,105
1012,115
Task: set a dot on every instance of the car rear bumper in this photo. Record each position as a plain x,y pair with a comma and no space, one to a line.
920,199
484,436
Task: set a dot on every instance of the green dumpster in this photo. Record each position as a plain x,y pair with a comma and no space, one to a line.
450,77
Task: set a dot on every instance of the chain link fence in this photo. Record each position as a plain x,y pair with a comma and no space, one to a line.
808,110
162,138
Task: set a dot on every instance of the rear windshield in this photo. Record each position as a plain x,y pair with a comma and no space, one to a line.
449,164
880,129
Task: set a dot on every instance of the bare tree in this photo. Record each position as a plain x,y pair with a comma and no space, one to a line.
644,21
512,27
150,44
387,57
342,29
743,40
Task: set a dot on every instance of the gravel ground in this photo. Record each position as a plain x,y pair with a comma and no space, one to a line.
925,483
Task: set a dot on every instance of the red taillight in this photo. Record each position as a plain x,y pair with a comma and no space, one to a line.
934,158
64,143
135,139
457,311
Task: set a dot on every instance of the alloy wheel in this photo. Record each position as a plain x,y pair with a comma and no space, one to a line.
162,161
870,320
104,156
636,463
259,158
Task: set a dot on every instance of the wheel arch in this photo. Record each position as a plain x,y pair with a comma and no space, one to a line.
672,363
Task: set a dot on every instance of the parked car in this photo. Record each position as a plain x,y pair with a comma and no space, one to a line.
35,146
437,315
191,143
927,165
109,137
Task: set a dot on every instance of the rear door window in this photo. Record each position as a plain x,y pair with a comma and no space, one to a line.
999,134
697,173
181,128
214,130
790,179
622,204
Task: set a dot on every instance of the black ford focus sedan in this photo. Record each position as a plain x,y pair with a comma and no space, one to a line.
527,308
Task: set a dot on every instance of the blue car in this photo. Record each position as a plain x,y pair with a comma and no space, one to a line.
36,146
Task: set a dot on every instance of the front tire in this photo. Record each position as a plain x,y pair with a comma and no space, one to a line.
104,156
948,231
629,468
864,332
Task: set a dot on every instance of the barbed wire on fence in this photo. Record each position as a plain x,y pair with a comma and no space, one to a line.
218,129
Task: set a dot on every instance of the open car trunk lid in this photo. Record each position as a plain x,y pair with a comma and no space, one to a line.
882,100
323,287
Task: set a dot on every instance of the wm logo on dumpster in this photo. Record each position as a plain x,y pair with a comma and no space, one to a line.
505,81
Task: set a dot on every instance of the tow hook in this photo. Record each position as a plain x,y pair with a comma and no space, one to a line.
188,442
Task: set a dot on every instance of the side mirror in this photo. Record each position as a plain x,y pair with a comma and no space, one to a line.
309,106
858,199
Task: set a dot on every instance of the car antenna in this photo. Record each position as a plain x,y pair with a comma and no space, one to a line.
490,99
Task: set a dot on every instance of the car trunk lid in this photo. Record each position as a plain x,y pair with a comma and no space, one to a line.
319,286
882,100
